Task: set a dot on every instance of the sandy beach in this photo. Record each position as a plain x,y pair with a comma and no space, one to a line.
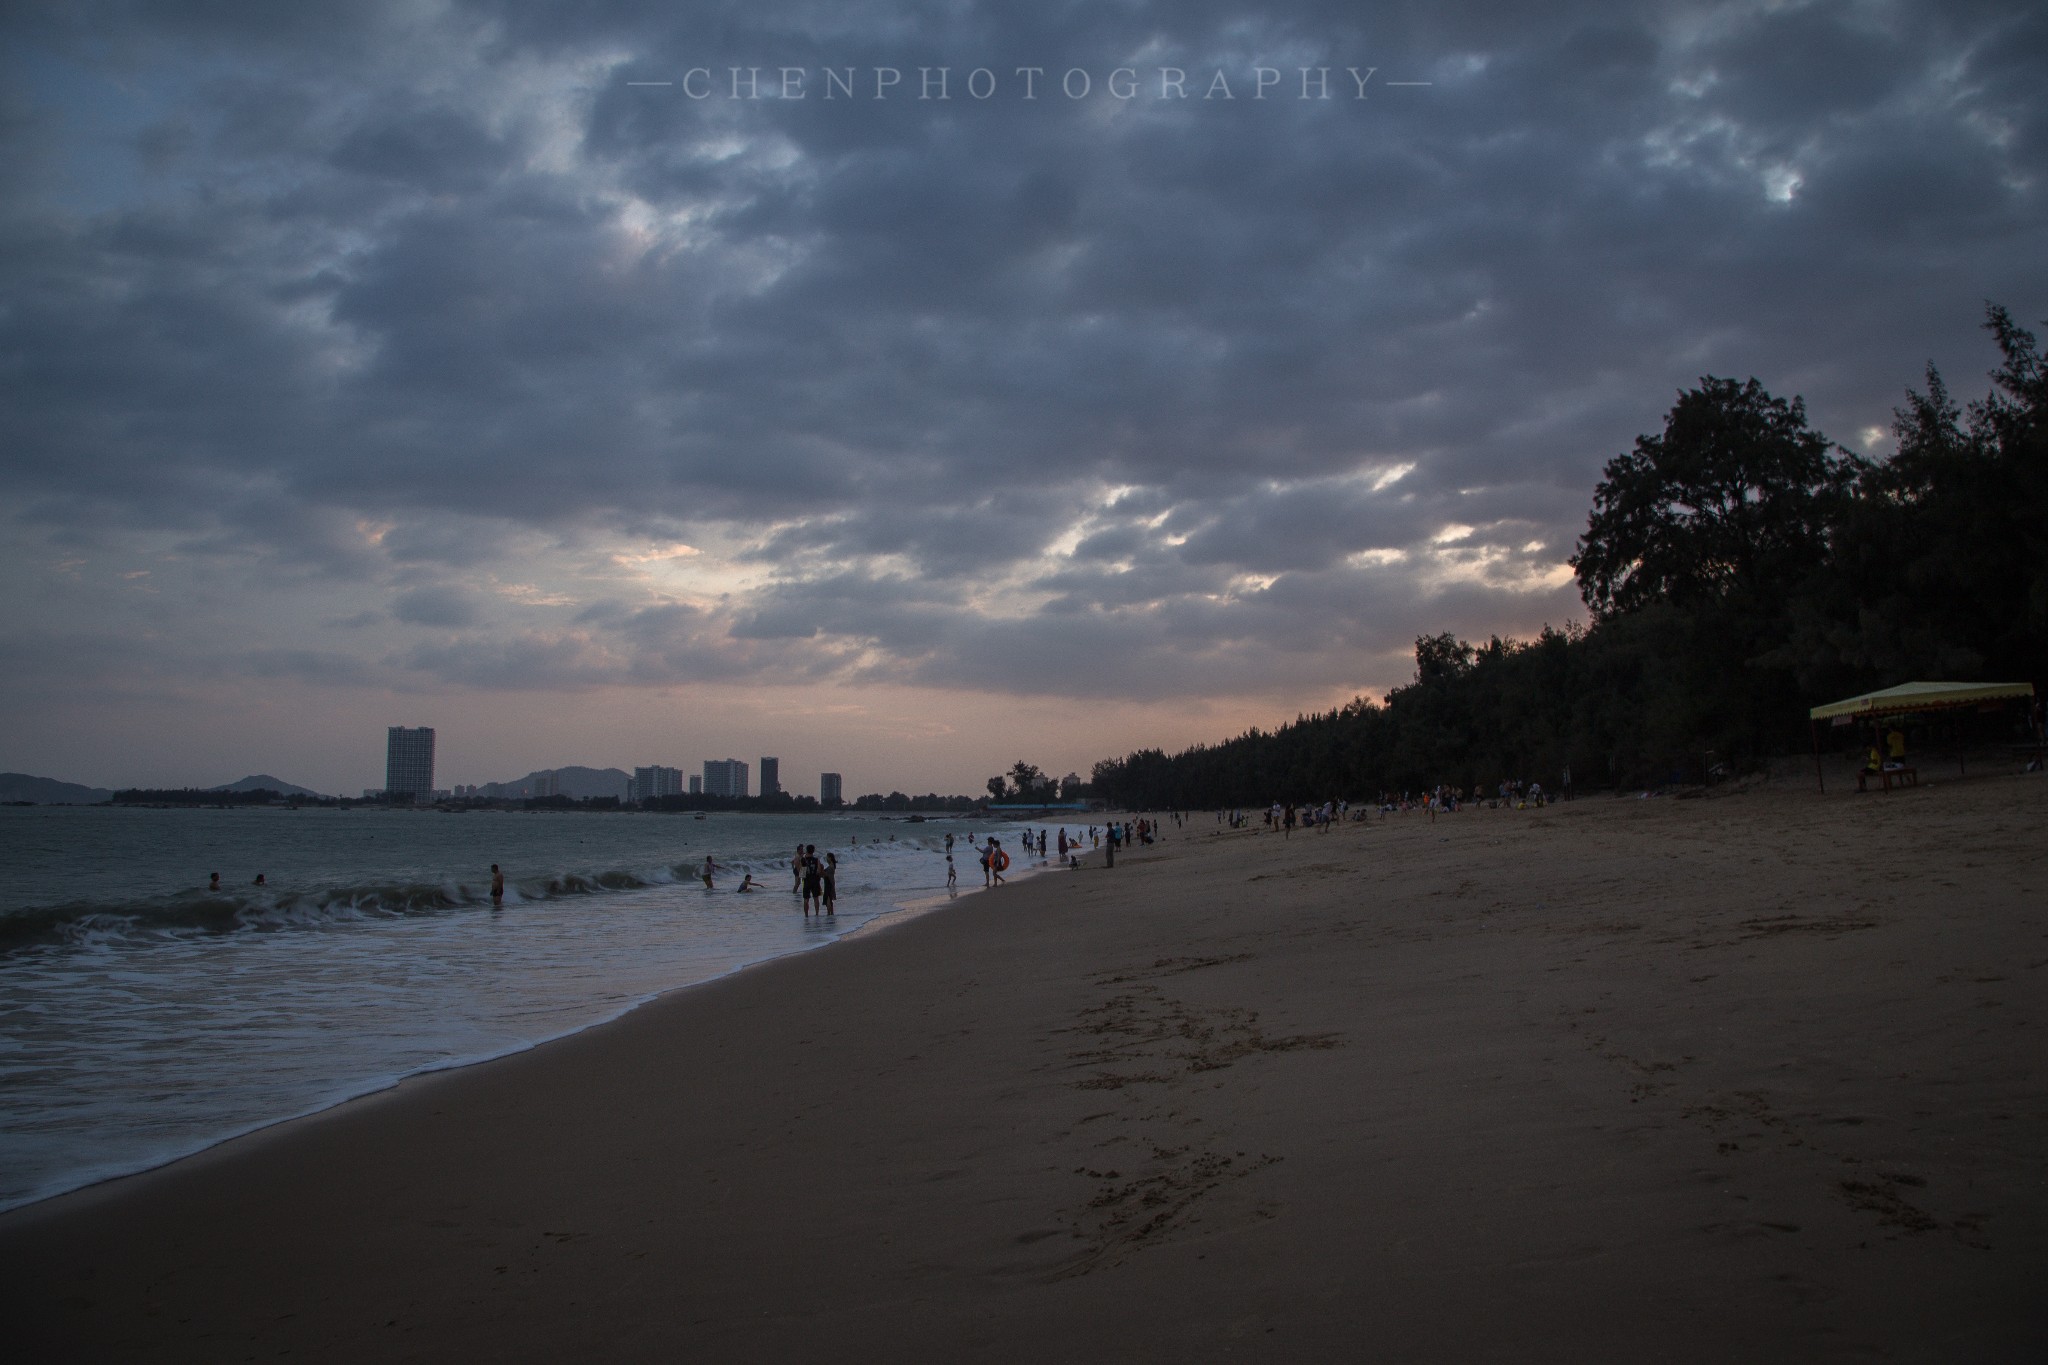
1751,1077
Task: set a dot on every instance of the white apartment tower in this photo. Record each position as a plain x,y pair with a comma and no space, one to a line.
725,777
654,781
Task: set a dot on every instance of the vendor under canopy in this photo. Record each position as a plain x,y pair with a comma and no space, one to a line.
1902,700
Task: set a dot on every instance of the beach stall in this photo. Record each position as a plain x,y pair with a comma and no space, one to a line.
1907,699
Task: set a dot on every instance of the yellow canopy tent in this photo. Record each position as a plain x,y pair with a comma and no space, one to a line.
1906,697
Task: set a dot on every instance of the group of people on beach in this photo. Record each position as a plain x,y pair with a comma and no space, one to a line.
813,877
816,878
995,858
1284,817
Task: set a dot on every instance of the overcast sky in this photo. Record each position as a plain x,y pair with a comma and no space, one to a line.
955,382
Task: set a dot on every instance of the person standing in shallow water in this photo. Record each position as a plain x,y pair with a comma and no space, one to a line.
814,881
497,884
831,883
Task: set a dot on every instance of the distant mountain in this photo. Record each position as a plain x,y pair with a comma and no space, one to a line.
264,782
48,791
573,782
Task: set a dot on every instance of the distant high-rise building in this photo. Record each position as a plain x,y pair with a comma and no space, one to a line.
696,784
409,763
828,790
771,777
654,781
725,777
547,784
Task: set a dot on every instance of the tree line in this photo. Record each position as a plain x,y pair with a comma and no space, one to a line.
211,796
1738,568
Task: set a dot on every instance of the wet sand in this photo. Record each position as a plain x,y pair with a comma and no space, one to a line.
1759,1076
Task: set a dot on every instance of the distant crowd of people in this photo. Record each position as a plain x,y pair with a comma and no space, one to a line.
1284,817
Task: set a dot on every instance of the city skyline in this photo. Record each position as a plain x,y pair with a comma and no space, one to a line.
490,366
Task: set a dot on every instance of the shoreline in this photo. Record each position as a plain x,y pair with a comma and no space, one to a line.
1548,1085
115,1172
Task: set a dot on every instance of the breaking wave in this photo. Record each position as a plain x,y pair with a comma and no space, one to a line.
264,909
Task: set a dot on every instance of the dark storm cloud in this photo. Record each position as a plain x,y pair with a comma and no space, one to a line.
523,661
1085,396
328,668
437,605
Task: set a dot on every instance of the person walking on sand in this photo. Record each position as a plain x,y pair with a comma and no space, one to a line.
952,874
497,885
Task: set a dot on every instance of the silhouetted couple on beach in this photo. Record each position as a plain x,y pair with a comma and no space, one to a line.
818,880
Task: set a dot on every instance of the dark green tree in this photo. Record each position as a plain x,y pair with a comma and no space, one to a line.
1739,567
1941,566
1731,504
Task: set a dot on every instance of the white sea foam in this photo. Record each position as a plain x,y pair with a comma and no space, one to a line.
142,1020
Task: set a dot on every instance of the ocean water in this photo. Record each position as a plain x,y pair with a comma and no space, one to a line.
143,1018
